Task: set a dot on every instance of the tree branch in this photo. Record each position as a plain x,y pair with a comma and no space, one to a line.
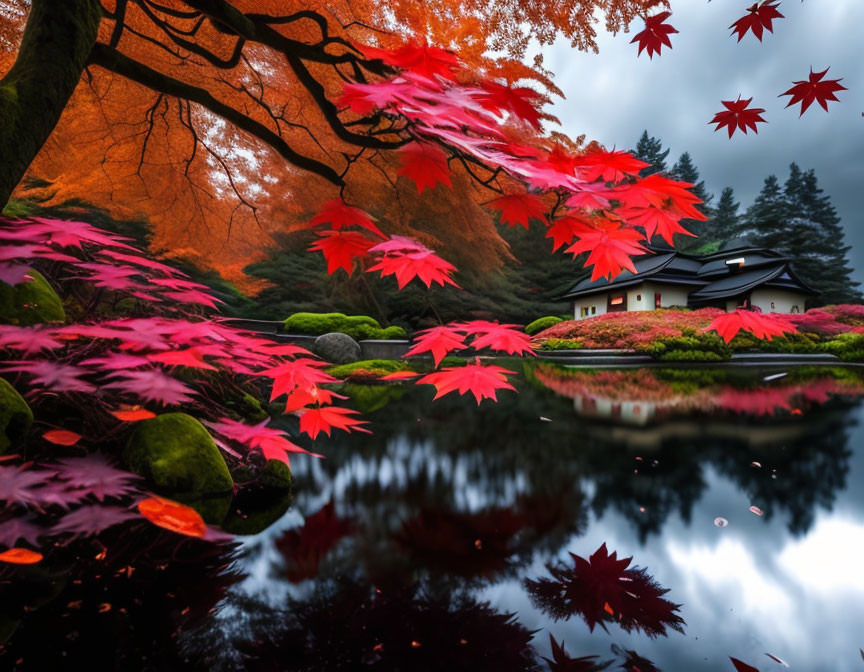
112,60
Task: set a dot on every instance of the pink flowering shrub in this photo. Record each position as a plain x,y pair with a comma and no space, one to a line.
631,330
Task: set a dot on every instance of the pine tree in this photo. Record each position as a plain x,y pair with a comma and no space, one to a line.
816,240
650,150
766,222
686,171
723,223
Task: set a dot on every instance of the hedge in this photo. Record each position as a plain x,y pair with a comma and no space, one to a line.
358,327
542,323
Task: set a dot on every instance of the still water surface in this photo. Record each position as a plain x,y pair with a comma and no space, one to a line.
421,546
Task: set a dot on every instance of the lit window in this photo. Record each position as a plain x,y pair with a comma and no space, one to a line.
583,311
616,301
657,300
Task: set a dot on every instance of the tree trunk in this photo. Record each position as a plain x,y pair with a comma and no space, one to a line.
57,40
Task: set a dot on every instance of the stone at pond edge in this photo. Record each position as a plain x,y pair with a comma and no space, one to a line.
15,416
31,302
337,348
262,505
174,452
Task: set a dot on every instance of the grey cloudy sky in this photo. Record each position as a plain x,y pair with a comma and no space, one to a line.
613,96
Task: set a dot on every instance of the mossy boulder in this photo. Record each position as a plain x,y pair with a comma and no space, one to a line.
15,416
178,457
257,507
31,302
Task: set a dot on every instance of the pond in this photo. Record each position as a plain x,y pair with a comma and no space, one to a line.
443,540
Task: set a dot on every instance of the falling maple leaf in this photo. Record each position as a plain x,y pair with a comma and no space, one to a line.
814,89
655,35
406,259
761,326
61,437
173,516
738,116
339,215
20,556
425,164
482,381
340,249
437,340
324,419
759,16
519,208
610,246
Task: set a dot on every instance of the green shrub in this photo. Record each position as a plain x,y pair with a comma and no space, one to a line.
358,327
707,347
793,343
561,344
542,323
369,367
848,347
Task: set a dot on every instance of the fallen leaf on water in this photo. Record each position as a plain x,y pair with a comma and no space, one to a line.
61,437
20,556
134,415
756,510
173,516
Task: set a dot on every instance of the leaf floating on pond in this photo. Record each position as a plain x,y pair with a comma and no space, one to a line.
134,415
20,556
61,437
173,516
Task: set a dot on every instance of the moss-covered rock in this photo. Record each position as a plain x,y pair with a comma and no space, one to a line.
31,302
178,457
257,507
15,416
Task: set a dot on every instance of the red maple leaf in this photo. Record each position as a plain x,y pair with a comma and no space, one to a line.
406,259
759,16
439,341
610,246
302,397
655,35
737,115
501,337
655,221
340,249
519,208
814,89
270,441
609,166
173,516
192,358
761,326
339,215
61,437
565,229
418,57
425,164
324,419
562,662
299,373
519,101
482,381
20,556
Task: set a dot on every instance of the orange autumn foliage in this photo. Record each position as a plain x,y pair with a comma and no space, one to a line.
216,195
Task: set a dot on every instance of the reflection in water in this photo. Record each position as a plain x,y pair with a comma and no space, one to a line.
606,590
422,545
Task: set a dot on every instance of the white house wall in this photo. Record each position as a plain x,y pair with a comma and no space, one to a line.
670,295
639,298
782,300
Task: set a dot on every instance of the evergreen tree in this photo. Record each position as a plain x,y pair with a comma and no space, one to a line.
650,150
766,222
815,240
723,222
686,171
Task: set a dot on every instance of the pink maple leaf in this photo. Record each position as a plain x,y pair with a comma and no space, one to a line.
92,519
95,475
151,386
53,376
